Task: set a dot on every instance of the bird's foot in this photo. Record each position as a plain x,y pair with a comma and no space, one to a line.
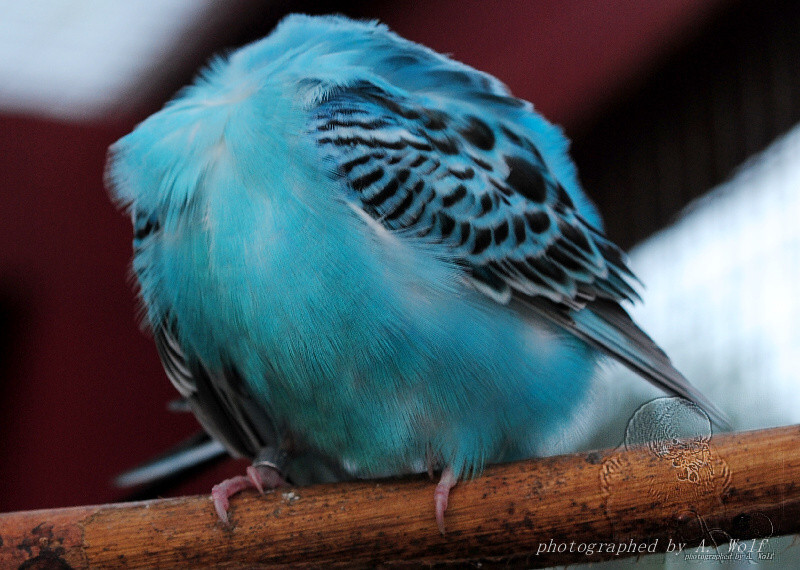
259,476
265,477
441,494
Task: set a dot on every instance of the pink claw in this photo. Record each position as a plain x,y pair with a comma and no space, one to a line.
259,476
221,492
441,494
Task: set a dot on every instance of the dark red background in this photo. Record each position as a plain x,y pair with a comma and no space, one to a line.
82,393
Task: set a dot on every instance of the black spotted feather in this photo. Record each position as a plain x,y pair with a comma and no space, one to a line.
480,188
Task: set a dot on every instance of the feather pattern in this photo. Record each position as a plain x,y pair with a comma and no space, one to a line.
481,190
355,250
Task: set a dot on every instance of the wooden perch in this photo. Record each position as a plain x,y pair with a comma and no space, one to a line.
534,513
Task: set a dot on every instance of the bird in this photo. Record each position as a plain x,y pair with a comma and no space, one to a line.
360,258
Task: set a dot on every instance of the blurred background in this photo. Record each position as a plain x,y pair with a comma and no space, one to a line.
669,104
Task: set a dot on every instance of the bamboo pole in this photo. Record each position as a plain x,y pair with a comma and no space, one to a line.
535,513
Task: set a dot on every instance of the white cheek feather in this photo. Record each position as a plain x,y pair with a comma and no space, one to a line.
503,296
383,234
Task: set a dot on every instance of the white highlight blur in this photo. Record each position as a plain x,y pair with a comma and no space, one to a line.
78,59
722,298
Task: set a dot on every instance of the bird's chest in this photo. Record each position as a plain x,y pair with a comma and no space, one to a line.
278,292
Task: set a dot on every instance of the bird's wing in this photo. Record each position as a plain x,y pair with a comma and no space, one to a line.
220,401
466,176
478,187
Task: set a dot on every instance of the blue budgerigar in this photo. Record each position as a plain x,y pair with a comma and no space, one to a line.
361,258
